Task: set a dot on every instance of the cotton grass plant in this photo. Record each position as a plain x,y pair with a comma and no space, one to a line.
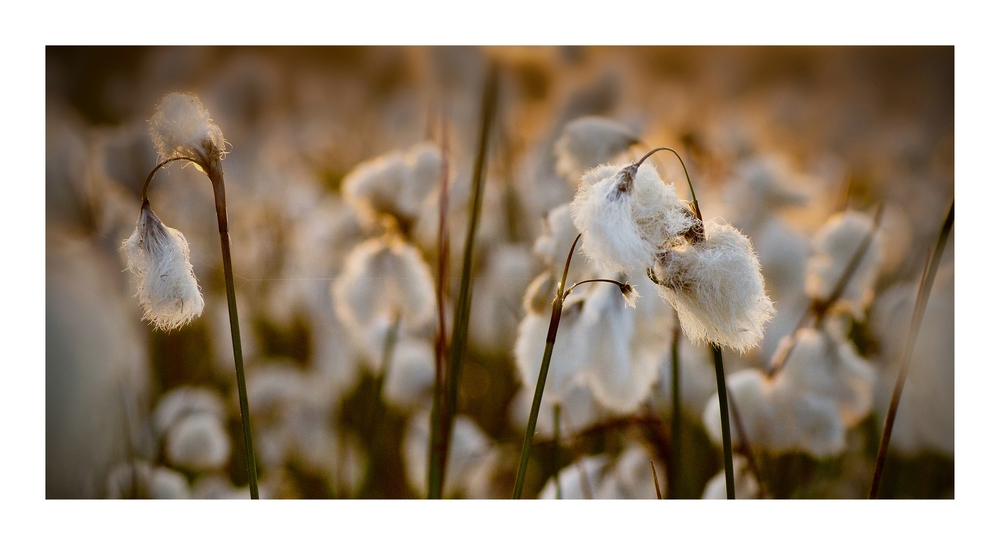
182,130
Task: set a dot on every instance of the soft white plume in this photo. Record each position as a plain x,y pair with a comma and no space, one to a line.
626,216
160,258
717,288
182,127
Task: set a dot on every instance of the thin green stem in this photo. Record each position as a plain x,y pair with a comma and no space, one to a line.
213,169
621,285
727,441
543,371
923,295
145,185
656,481
218,184
674,469
464,304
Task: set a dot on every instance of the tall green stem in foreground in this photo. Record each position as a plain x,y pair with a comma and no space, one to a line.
720,372
441,429
923,295
727,441
673,471
213,169
218,184
543,371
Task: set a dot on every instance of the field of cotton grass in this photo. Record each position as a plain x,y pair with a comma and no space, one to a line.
411,236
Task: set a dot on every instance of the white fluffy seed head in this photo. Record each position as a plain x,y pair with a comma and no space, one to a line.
382,278
181,127
590,141
831,368
717,288
160,258
396,183
198,443
834,247
626,220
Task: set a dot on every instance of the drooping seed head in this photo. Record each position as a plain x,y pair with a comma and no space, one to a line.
160,258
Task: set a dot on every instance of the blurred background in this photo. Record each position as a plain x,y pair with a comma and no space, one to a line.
781,142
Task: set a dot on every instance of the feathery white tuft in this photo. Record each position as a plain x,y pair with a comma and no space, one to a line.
717,288
626,221
590,141
182,127
160,258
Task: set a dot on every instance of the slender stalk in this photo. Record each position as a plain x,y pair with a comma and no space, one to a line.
543,371
464,304
656,482
438,421
727,441
923,295
219,186
555,456
213,169
674,469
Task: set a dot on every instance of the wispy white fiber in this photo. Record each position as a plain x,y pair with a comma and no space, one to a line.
717,288
198,442
182,127
160,258
625,221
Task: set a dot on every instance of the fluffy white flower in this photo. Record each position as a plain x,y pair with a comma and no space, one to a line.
181,127
140,480
627,215
410,382
471,457
631,477
778,417
590,141
831,368
396,183
717,288
198,442
557,238
834,247
578,480
618,366
568,354
180,402
747,486
383,277
160,258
